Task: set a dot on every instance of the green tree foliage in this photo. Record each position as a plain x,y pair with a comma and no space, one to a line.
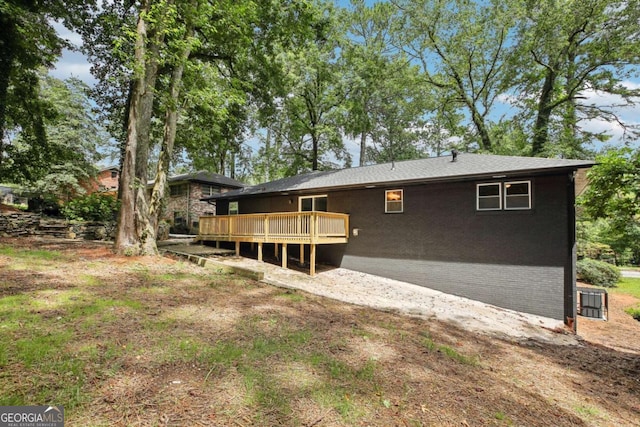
375,73
462,49
566,50
313,92
614,194
62,155
29,42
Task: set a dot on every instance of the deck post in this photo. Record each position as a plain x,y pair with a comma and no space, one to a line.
276,250
284,255
259,251
301,254
237,248
312,260
217,244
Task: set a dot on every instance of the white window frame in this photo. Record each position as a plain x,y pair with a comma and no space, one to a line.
313,201
499,196
509,183
401,201
234,208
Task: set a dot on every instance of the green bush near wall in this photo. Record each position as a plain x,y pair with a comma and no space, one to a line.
597,273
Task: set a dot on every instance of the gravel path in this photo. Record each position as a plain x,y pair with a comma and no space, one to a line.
387,294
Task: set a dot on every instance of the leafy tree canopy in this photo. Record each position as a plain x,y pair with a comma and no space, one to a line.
614,194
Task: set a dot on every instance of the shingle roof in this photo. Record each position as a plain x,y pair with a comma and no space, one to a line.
208,178
412,171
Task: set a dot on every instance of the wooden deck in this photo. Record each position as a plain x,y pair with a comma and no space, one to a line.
280,228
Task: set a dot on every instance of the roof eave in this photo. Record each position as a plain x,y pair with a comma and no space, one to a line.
374,184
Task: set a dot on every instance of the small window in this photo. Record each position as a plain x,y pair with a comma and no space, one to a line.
114,174
233,208
178,190
393,201
313,204
489,197
517,195
178,219
209,190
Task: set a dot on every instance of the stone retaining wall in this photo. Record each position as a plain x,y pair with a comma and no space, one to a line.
18,224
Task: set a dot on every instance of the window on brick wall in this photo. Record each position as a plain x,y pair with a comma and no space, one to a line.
517,195
312,203
209,190
394,201
489,196
510,195
178,189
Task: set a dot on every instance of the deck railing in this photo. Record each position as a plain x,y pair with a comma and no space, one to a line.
278,227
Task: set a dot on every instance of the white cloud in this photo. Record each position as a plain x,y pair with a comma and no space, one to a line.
628,114
73,64
70,36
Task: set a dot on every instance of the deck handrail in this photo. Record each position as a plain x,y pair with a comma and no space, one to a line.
303,227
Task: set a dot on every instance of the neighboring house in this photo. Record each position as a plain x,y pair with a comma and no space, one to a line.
105,182
496,229
184,205
8,196
108,179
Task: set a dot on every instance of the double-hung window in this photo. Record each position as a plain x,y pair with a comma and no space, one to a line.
510,195
517,195
233,208
489,197
394,201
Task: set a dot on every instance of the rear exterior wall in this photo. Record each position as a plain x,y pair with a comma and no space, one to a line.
512,259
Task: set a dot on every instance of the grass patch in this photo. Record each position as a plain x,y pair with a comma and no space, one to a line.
292,295
634,312
265,392
588,411
628,285
89,280
448,351
31,254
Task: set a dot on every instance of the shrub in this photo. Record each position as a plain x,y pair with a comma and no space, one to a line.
597,273
92,207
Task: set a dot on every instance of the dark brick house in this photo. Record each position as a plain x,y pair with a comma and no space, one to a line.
497,229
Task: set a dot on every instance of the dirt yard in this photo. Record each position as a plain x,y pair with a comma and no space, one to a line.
133,341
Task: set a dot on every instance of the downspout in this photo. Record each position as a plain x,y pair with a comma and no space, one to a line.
189,206
570,303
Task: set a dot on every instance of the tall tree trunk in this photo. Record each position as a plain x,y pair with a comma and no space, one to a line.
363,147
144,228
168,140
123,143
132,235
541,127
314,153
570,118
481,127
127,239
